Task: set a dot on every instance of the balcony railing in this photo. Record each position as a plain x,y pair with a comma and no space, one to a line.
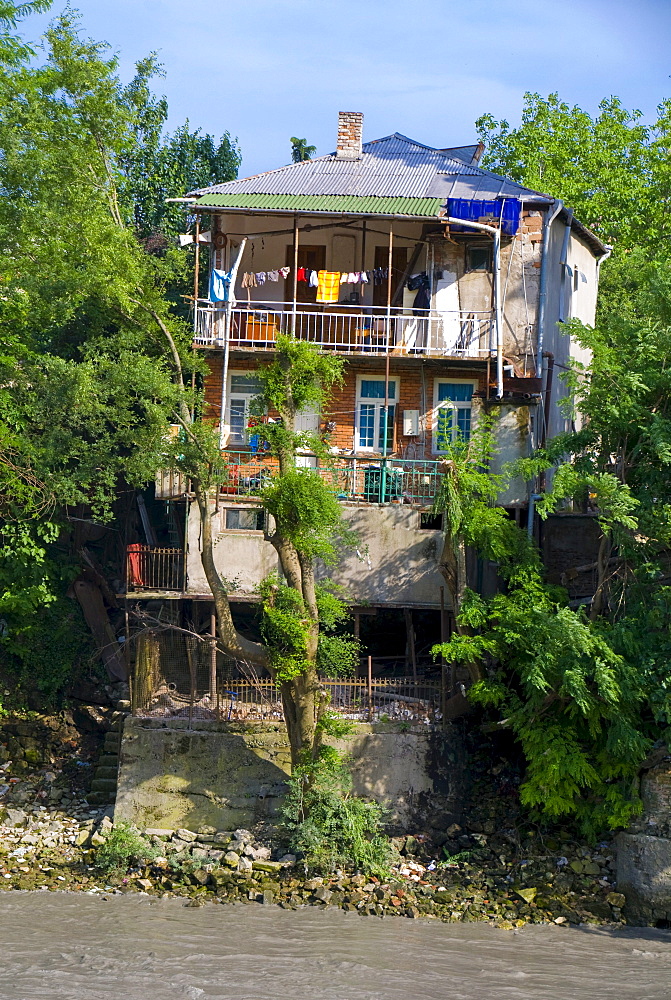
390,480
152,568
349,329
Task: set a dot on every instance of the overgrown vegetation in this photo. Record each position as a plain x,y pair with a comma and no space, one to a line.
328,826
124,847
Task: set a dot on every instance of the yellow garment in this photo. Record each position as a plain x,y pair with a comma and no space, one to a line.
328,288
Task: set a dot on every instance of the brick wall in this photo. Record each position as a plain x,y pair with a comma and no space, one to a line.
350,135
415,393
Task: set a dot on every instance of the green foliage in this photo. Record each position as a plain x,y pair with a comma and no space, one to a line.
123,848
611,169
330,827
47,652
285,627
573,703
307,513
159,166
300,150
547,672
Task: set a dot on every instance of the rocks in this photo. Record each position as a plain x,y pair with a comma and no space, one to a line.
231,859
15,817
186,836
267,866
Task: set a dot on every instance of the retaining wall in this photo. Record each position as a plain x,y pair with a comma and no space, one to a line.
231,775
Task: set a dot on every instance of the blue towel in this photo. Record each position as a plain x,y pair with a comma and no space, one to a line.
220,284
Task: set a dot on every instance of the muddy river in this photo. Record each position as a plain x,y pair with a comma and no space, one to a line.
81,947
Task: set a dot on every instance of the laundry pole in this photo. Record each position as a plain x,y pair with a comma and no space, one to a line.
295,281
227,340
385,412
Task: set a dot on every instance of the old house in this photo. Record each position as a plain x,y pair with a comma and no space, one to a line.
442,284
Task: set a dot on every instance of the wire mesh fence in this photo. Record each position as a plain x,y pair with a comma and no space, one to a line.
180,675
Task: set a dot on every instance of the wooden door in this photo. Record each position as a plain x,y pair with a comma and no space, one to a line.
399,262
312,257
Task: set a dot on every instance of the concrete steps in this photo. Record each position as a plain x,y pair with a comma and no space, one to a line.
104,783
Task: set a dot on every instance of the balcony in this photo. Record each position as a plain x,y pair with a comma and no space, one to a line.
357,480
355,330
153,569
353,479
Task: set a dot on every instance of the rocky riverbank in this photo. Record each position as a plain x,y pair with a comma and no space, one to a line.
491,868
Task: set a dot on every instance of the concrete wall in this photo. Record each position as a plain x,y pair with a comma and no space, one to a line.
395,562
644,853
231,775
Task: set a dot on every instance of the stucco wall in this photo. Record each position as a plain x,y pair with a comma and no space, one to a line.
231,775
395,561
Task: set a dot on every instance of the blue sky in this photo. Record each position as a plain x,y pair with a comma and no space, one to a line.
269,69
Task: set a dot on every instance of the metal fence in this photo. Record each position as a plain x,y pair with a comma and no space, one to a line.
175,675
151,568
412,481
349,330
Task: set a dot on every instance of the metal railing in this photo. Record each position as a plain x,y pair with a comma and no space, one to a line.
402,698
391,480
349,329
152,568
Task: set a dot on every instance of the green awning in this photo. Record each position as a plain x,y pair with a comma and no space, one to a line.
345,204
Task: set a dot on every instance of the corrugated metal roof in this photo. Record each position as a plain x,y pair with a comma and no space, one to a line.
395,176
393,167
347,204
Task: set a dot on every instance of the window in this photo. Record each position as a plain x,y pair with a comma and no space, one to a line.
244,519
242,388
370,414
478,258
452,412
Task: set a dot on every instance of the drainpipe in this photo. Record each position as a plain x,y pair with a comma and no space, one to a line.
227,338
543,290
530,514
498,317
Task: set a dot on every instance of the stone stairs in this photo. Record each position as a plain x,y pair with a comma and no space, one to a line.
104,783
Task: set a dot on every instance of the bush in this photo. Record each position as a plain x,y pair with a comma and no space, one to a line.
330,827
123,848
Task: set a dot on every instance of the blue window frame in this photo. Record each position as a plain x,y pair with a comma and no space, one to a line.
370,414
453,406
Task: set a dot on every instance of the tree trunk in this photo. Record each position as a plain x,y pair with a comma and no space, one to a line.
300,703
146,672
236,645
452,566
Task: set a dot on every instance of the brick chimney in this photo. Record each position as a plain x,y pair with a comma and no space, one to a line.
350,135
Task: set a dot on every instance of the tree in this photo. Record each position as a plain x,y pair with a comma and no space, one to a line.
13,49
612,169
301,618
158,165
300,150
543,669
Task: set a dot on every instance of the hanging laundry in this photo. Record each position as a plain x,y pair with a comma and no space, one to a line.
329,286
352,278
343,277
273,275
260,277
301,274
364,277
284,271
421,284
249,280
314,279
220,285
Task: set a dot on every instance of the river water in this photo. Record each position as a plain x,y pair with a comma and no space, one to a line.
60,946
